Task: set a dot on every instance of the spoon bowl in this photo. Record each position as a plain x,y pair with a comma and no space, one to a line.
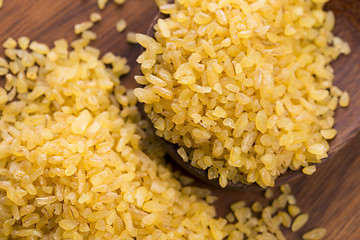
347,78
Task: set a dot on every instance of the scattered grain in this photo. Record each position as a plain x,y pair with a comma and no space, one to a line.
131,37
315,234
81,27
299,222
95,17
101,4
120,25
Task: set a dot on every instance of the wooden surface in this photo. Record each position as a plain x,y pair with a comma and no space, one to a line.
331,195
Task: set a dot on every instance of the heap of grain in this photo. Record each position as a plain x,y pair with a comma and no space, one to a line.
243,87
75,160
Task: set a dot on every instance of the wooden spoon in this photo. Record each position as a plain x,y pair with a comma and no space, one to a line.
347,120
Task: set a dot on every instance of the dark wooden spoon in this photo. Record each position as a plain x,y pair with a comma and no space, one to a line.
347,72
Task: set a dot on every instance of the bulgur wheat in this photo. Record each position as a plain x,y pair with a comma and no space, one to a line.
78,162
244,87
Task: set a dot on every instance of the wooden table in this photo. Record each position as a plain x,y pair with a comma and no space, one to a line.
331,195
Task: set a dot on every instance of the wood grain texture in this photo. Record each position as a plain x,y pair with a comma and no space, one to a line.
332,195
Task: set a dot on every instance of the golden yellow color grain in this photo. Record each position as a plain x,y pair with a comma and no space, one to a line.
247,84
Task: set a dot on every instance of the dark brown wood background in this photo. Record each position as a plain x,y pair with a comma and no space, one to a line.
331,195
